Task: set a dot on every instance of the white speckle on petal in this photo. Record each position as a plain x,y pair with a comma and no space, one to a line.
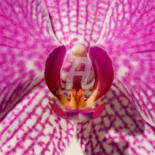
45,103
59,33
47,129
66,28
44,117
30,65
149,92
122,71
33,134
65,21
143,96
19,151
73,27
39,127
45,139
39,111
48,152
31,122
37,149
134,63
153,100
27,143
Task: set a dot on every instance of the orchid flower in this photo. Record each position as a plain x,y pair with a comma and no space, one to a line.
38,40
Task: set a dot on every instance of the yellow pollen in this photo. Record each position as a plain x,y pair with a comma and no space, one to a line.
77,100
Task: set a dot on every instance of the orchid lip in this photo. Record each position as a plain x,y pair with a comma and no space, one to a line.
102,66
88,112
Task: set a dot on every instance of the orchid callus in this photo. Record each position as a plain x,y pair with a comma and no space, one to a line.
60,57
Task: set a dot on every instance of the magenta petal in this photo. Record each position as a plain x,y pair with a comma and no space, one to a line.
26,38
103,69
129,37
120,129
52,69
32,128
78,20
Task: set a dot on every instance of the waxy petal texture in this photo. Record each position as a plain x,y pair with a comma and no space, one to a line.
120,130
125,29
127,33
32,128
26,38
129,36
78,21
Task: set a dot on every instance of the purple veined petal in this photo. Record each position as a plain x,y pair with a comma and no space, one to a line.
26,38
32,128
119,130
78,21
130,41
103,68
140,80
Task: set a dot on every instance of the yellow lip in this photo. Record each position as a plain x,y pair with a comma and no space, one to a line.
77,100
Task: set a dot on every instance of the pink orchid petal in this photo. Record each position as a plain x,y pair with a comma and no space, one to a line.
78,21
120,129
127,27
26,38
120,38
129,37
31,127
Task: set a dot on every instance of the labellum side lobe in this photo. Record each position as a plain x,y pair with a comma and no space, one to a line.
77,104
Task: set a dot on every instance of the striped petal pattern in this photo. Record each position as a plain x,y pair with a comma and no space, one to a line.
120,130
32,128
26,38
125,29
127,34
129,37
78,21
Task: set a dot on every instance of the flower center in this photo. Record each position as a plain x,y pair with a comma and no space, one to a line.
77,72
76,77
77,100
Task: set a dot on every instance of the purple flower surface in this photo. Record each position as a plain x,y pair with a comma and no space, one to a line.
30,30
